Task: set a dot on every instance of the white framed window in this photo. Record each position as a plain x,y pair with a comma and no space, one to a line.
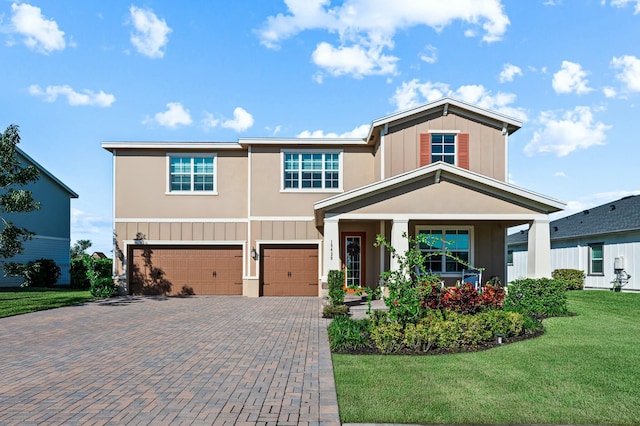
305,170
443,147
596,259
192,174
456,240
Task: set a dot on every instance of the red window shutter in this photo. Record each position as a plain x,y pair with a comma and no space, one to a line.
425,149
463,150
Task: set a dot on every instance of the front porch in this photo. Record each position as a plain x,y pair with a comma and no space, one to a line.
468,212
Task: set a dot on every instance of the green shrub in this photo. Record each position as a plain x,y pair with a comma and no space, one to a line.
85,270
378,317
573,278
540,297
333,311
418,337
40,273
336,287
346,334
508,324
388,338
104,287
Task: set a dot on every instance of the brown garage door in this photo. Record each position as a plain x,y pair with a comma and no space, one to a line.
289,271
204,269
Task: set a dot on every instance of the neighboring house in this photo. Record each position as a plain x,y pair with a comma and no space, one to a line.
590,241
51,224
272,216
98,255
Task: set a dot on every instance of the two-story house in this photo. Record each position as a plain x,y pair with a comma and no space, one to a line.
272,216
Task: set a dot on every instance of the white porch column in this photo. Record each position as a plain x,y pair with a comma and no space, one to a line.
331,247
398,241
539,249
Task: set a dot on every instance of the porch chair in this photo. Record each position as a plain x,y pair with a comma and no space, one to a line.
472,276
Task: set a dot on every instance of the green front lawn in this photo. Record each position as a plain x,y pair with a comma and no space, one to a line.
16,301
585,369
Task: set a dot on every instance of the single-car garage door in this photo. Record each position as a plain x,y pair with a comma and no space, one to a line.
289,271
203,269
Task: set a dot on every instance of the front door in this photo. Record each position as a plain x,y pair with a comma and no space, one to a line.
353,249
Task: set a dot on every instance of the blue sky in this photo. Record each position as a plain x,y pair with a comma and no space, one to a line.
77,73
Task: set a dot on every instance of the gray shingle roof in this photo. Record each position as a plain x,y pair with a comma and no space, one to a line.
617,216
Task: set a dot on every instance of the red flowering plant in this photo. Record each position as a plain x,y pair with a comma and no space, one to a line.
463,299
492,296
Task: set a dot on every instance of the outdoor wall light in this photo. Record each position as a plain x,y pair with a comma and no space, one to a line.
254,254
499,338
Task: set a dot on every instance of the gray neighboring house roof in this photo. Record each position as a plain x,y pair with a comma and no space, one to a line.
622,215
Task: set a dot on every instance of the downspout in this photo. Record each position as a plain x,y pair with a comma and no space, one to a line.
383,132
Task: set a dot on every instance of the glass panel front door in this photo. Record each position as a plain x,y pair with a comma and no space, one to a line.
353,263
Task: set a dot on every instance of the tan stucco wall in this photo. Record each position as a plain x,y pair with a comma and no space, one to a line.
141,186
428,197
267,199
487,150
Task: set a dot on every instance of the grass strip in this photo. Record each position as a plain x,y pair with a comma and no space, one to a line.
21,301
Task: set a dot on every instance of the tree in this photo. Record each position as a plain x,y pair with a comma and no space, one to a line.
13,176
79,248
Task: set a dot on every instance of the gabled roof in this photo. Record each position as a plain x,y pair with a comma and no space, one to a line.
617,216
446,105
71,193
444,171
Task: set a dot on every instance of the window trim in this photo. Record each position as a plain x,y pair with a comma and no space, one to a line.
191,155
340,152
509,257
591,259
444,228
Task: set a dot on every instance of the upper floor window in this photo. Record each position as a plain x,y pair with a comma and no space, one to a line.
451,147
596,259
313,171
192,174
456,241
443,148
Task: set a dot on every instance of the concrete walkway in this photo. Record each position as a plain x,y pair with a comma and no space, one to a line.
199,360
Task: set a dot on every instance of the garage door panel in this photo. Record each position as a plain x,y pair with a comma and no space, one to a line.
205,269
289,271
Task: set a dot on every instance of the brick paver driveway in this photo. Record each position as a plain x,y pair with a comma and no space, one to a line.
199,360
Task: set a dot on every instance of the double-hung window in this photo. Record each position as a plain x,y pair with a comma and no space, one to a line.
192,174
312,171
444,246
449,146
596,259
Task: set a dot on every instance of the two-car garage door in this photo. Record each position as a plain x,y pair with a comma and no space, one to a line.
290,270
212,270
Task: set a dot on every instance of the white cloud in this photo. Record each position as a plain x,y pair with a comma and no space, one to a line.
365,28
241,121
414,93
509,71
359,132
150,36
560,174
571,79
429,54
574,130
609,92
629,74
623,3
175,115
84,98
356,60
40,34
